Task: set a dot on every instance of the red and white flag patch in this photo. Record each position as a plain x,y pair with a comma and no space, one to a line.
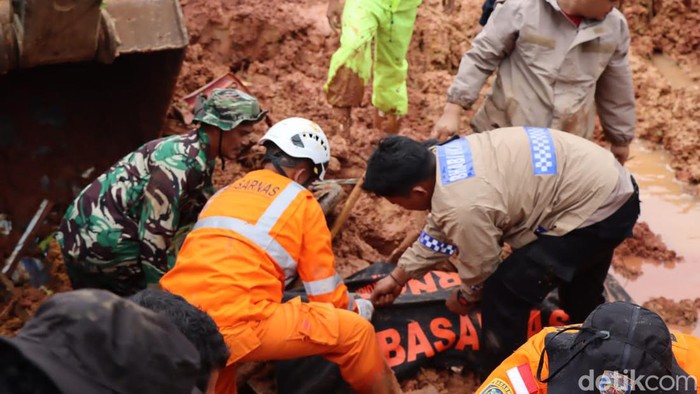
522,380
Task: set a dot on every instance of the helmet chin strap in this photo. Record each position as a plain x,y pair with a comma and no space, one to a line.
309,181
276,162
221,156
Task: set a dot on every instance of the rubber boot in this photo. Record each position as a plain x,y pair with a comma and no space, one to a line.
387,123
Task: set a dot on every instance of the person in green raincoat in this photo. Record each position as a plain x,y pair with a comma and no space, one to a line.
390,24
116,235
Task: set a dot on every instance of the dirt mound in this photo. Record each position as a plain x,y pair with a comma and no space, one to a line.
643,246
23,301
666,26
668,115
682,313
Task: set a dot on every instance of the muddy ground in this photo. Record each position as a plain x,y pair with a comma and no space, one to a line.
668,114
282,50
286,64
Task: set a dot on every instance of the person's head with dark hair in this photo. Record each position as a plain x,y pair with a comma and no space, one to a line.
402,170
196,325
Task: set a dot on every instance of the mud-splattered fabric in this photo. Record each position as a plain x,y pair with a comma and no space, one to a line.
121,225
549,72
390,25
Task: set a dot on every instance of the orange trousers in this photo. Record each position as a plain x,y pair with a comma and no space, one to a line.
299,329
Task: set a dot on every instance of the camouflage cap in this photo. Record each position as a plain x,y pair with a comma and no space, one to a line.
227,108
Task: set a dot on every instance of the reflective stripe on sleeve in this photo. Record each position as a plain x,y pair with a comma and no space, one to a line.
323,286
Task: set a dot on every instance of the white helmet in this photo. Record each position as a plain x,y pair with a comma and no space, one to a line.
303,139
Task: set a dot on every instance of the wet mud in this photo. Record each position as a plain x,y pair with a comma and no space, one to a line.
282,51
289,75
682,315
666,263
345,89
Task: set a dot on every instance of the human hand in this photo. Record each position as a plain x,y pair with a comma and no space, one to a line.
456,303
448,124
334,14
328,195
389,288
621,152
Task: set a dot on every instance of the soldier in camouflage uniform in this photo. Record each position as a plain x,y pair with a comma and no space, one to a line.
117,232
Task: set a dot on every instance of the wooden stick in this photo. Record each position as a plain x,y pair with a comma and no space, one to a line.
12,261
410,238
347,208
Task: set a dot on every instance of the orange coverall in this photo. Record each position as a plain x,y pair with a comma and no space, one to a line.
251,239
685,350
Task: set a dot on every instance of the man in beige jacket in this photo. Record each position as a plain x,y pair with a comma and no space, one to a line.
558,62
562,202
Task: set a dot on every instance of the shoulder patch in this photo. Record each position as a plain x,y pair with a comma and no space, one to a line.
497,386
522,379
544,155
455,160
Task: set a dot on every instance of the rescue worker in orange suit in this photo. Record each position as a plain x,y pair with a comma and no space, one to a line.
619,344
253,238
563,204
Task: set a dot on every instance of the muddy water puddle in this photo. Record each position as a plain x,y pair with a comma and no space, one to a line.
675,76
674,215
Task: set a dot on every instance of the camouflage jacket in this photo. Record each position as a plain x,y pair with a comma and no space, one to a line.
129,214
